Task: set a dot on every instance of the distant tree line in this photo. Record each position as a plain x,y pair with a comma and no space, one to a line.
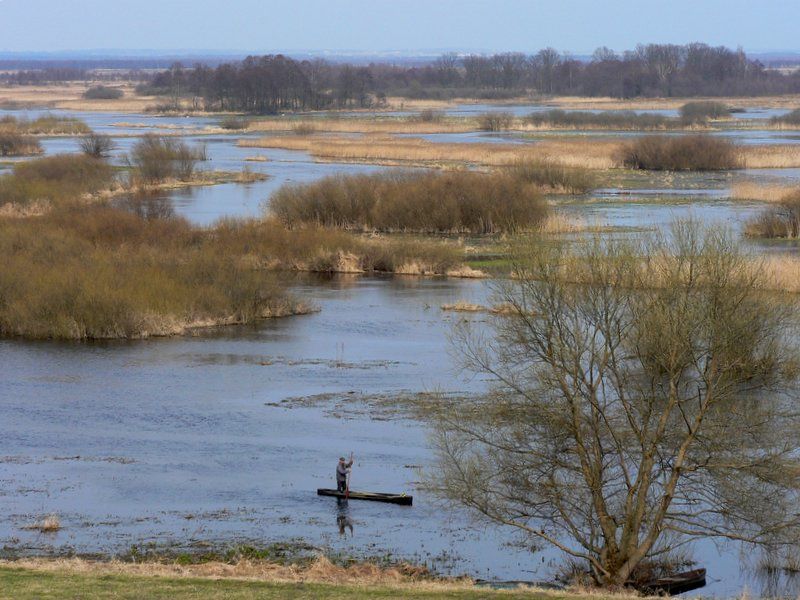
64,74
274,83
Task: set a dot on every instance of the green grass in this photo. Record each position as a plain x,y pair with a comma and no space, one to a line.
21,584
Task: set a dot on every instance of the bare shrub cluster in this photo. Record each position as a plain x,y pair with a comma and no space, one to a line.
234,123
495,121
98,272
157,158
13,143
790,118
103,92
681,153
702,111
459,201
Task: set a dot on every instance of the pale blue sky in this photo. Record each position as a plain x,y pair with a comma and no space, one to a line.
379,25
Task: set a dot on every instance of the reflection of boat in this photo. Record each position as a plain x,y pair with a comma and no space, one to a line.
374,496
675,584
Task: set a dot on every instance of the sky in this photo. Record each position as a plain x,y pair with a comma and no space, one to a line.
577,26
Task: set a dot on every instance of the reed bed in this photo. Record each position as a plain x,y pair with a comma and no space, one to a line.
381,149
549,174
415,124
775,156
438,202
751,191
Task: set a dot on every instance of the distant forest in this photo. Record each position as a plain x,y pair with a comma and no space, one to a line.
274,83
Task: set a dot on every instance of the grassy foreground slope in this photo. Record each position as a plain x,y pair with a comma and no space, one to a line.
21,584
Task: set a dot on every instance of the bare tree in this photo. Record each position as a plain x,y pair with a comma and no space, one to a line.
639,404
97,145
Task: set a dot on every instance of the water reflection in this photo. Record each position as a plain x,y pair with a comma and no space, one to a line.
343,520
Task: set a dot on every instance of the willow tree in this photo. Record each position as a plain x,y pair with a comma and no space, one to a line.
641,401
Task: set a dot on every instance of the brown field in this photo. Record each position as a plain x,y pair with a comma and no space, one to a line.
70,96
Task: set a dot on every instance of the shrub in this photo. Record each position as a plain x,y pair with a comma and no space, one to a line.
155,159
459,201
304,128
623,119
681,153
780,220
430,116
550,174
97,145
57,178
97,272
790,118
702,111
15,144
102,92
234,123
495,121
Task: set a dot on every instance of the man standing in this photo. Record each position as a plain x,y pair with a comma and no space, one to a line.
342,471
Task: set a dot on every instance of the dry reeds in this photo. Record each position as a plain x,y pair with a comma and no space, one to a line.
49,524
751,191
579,154
495,121
453,202
780,220
550,174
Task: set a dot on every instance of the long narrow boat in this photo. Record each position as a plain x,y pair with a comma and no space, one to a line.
676,584
374,496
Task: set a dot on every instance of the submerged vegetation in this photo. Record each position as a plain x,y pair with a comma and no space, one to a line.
448,202
681,153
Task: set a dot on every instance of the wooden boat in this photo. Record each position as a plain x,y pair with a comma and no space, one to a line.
374,496
676,584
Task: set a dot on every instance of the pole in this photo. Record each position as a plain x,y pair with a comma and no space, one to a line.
349,472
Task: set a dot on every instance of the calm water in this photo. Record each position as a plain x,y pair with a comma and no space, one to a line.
179,442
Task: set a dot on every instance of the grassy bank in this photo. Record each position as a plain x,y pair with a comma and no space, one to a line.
79,579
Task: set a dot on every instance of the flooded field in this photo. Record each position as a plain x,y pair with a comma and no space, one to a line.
222,438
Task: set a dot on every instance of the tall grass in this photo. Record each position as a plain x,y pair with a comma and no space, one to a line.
702,111
681,153
625,120
459,201
155,159
54,179
550,174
